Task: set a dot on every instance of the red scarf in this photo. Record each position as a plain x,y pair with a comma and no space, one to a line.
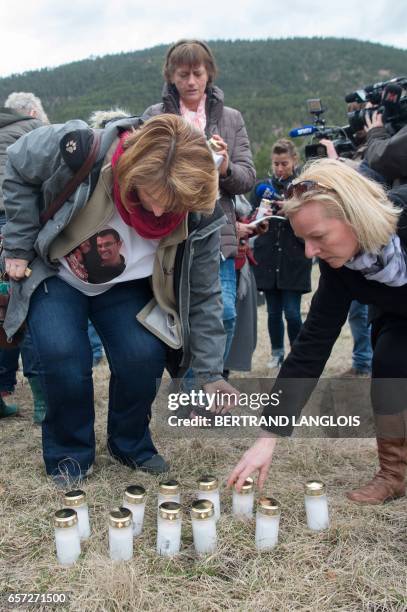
146,224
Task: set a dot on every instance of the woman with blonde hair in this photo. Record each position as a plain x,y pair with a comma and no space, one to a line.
359,234
149,203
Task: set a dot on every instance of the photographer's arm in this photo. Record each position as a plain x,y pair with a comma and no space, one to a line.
387,154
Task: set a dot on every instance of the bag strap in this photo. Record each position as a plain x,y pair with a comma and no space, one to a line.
74,181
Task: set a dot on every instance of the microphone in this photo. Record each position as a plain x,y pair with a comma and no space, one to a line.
305,130
266,190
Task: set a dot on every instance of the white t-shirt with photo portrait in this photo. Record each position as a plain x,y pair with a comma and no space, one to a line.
116,254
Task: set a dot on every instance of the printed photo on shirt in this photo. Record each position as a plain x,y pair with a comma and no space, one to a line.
98,259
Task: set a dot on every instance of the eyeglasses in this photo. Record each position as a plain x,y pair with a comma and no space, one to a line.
298,189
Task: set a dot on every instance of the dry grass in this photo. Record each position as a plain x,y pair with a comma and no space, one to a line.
358,564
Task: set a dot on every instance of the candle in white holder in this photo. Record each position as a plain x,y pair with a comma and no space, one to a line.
77,501
67,539
169,529
204,526
135,500
169,491
208,488
267,523
242,504
120,534
316,505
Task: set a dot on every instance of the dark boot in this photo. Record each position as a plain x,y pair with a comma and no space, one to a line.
7,410
389,482
39,402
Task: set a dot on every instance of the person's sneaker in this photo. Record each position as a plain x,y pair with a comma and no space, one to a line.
355,373
155,465
275,362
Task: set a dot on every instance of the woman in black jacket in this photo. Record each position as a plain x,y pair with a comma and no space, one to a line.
360,235
283,272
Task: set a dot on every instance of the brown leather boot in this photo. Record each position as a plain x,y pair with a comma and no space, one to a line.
389,482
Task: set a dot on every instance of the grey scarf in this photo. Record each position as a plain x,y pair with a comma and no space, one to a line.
388,267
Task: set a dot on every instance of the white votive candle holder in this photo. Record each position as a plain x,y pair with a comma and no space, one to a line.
267,523
120,534
77,501
208,488
204,526
67,540
316,505
169,491
135,500
169,529
242,503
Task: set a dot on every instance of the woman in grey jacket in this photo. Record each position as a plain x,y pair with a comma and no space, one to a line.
139,235
189,72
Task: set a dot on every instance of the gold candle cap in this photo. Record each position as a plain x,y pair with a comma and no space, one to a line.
75,498
135,494
170,511
66,517
169,487
268,506
120,518
202,509
315,487
247,486
208,483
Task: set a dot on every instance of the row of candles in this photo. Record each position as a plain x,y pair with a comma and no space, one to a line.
126,522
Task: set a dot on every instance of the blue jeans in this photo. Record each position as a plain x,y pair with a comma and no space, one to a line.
289,302
362,346
58,322
95,342
227,275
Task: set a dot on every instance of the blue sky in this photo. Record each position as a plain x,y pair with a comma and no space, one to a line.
46,33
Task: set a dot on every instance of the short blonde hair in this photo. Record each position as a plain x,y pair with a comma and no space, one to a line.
350,197
171,160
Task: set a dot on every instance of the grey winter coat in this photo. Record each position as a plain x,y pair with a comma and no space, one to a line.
35,174
12,127
229,124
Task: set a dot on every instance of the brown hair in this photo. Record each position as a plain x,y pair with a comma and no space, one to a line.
189,52
171,160
284,146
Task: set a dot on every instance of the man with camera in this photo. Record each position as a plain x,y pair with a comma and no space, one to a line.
386,154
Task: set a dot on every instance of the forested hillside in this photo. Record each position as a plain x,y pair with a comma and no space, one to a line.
268,81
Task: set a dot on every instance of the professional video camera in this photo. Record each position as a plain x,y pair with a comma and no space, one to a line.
385,97
340,136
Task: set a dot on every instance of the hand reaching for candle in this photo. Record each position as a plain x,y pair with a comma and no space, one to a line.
257,458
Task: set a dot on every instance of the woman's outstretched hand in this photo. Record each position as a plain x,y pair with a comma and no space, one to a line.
257,458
